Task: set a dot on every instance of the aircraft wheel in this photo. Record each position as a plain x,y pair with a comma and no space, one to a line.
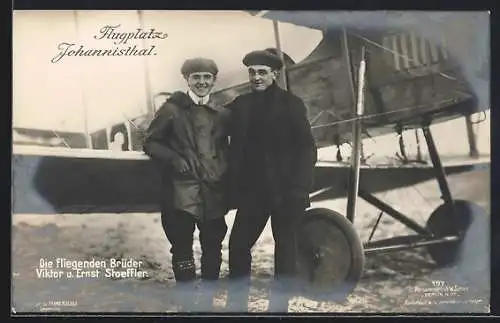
443,222
331,257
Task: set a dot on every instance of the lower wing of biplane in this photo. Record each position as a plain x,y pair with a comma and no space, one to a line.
82,181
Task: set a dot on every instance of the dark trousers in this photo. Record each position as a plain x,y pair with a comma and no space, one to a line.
179,228
251,218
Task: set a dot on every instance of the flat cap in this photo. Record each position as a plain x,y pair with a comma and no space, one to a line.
199,64
263,57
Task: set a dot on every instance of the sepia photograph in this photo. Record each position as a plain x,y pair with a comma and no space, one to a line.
205,162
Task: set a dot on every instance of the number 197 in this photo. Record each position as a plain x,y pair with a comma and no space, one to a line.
438,283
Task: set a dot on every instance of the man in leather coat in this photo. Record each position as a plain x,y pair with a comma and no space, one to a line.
271,161
188,141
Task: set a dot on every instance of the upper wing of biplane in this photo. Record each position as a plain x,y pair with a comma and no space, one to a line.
420,67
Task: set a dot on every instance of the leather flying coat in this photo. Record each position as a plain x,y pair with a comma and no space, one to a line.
195,133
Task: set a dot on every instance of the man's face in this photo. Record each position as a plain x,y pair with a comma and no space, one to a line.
261,77
201,83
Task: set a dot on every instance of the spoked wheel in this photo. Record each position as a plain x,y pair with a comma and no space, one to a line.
466,220
331,257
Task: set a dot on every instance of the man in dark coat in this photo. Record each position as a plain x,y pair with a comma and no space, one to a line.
188,141
271,161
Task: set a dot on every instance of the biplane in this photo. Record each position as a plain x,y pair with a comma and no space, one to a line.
359,82
392,81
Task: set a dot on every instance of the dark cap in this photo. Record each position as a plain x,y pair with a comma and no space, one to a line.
263,57
199,64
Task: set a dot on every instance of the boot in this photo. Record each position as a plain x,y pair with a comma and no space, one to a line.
205,296
184,271
238,291
210,272
185,289
279,296
210,269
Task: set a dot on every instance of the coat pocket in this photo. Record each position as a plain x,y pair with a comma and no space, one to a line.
186,195
215,199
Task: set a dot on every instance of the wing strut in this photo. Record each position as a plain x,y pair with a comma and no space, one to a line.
353,184
350,72
282,77
147,81
88,139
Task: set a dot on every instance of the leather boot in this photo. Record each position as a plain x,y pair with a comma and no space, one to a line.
185,289
210,269
205,296
184,271
279,295
238,291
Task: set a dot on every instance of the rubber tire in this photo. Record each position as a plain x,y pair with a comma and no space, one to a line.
357,257
439,224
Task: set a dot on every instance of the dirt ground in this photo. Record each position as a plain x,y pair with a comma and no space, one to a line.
392,282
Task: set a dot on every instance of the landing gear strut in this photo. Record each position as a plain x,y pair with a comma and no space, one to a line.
332,255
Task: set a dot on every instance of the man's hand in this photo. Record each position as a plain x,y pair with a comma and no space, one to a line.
180,164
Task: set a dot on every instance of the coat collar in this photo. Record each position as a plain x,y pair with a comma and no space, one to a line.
275,106
182,99
198,100
272,100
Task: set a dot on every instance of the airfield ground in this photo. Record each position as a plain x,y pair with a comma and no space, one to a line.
391,282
